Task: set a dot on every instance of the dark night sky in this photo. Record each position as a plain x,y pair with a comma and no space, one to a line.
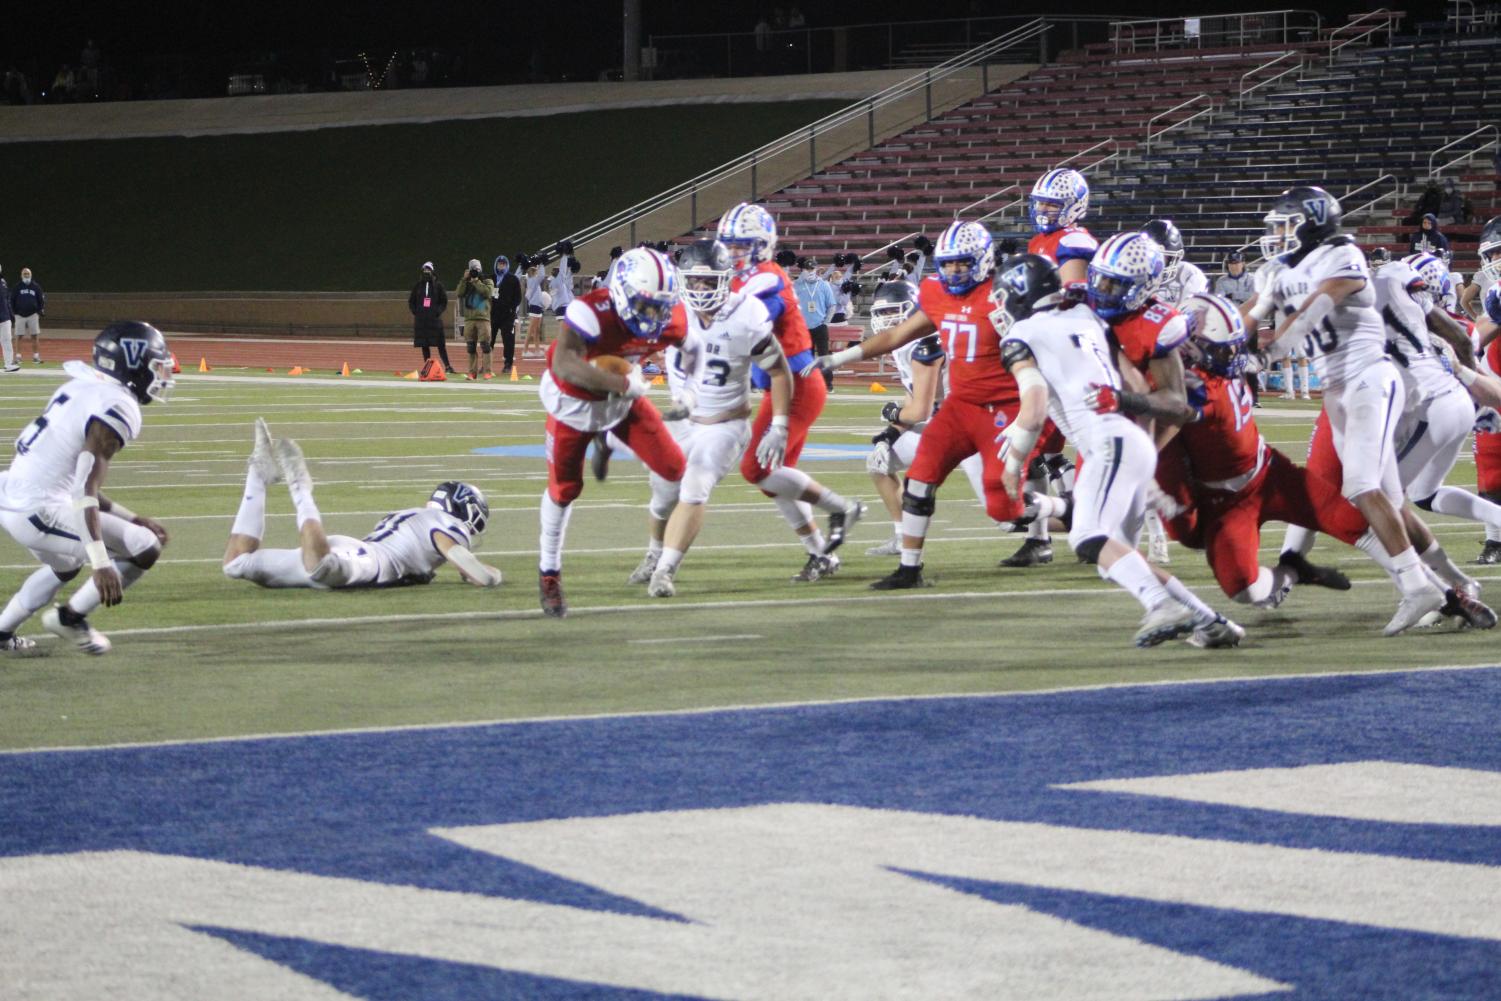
576,39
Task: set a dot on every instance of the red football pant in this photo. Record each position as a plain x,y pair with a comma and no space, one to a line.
1228,526
955,433
642,431
1488,463
808,396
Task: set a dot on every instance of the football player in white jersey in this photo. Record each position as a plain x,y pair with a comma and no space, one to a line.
1181,280
726,337
404,547
51,499
1322,291
1472,295
919,366
1059,352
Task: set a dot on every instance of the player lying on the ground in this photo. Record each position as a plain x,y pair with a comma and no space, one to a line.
725,340
51,499
1057,350
405,547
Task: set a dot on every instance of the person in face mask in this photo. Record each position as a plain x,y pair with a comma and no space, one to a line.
503,311
817,300
428,301
5,325
28,302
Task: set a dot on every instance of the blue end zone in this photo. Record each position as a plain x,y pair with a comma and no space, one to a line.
811,452
360,806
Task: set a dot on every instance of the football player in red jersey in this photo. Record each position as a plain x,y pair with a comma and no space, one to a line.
636,314
750,234
1058,203
1233,481
982,397
1488,436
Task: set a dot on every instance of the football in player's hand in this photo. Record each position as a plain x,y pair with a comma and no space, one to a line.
612,363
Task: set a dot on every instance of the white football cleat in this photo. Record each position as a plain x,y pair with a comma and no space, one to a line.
661,585
840,522
84,636
1157,540
1217,634
891,547
261,455
17,644
644,570
1168,620
293,466
1412,609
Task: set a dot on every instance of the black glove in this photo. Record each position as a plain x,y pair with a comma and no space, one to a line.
923,244
1007,246
913,258
616,252
786,258
891,413
849,288
889,436
565,248
895,253
574,265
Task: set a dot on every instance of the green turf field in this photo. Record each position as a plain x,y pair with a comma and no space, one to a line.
197,655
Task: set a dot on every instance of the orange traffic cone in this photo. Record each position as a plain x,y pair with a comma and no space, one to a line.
658,381
345,371
296,370
176,366
876,387
413,374
203,365
513,374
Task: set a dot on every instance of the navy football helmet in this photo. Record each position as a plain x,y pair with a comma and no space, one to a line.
1028,284
1171,241
1299,220
1490,249
705,270
465,502
135,354
893,303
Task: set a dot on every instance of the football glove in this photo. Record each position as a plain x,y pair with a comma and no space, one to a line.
891,413
636,384
773,445
1016,444
1487,421
1102,399
889,436
1493,302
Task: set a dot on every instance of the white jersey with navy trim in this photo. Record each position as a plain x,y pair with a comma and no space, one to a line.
1189,281
403,542
1404,304
1072,351
925,350
1352,337
46,469
722,353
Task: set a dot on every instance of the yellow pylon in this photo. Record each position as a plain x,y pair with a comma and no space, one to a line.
514,377
876,387
203,365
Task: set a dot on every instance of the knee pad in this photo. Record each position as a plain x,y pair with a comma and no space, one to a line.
1426,503
664,497
66,575
1057,464
1088,551
235,568
472,348
1037,469
329,572
918,499
878,462
147,559
696,485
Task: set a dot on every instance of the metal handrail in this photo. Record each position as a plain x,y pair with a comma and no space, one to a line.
1455,17
1150,135
1241,83
1469,135
1119,28
994,194
897,91
1368,184
1389,21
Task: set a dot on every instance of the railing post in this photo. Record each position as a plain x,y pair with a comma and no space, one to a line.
633,233
870,120
753,177
985,77
693,209
927,90
812,151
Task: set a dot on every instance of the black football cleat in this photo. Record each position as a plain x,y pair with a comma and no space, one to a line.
599,459
1033,553
903,578
550,586
840,522
1311,573
817,568
1472,612
1490,554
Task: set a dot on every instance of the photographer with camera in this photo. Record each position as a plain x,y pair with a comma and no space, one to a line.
475,291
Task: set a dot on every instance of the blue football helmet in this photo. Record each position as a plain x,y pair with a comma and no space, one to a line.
1434,272
1123,274
749,232
463,501
135,355
964,256
643,286
1059,199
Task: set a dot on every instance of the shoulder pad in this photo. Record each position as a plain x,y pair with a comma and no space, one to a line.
1341,240
927,350
1013,351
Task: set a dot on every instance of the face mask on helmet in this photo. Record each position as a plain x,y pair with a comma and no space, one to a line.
1217,336
1490,263
464,502
1281,236
643,289
1113,295
888,310
749,233
705,291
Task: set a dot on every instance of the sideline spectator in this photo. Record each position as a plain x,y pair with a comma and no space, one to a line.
1429,239
29,303
1236,284
503,312
5,324
1454,209
428,301
817,301
475,292
561,286
535,273
1428,203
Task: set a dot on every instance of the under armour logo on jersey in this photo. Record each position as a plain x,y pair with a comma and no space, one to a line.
1317,209
135,350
